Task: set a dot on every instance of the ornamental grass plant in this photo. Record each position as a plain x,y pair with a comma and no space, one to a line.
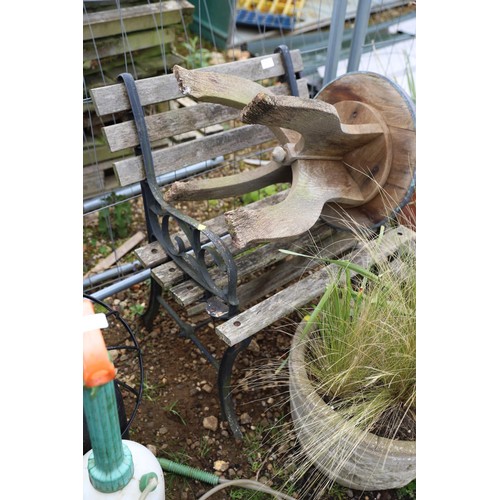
358,356
361,348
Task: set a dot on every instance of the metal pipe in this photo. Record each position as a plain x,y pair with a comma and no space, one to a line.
137,278
317,40
111,273
335,40
359,34
121,285
135,189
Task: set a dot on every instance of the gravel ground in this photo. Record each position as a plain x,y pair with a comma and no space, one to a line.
179,415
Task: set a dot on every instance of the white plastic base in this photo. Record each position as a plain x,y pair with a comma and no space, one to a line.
144,462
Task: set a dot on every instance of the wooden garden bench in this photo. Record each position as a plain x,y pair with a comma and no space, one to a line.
197,263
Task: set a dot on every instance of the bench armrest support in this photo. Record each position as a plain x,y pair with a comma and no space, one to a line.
189,254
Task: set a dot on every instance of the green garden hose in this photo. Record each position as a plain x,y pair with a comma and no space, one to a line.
216,481
187,471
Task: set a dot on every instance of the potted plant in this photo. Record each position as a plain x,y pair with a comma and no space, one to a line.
352,376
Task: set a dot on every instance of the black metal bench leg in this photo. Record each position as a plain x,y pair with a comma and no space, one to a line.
224,385
155,292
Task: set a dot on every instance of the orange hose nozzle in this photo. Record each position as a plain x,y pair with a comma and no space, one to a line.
97,367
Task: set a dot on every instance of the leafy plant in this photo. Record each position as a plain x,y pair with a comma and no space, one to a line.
408,492
137,309
117,218
197,56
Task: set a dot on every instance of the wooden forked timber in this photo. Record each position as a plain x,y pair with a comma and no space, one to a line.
340,153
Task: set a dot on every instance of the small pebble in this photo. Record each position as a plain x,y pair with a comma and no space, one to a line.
211,423
245,418
221,465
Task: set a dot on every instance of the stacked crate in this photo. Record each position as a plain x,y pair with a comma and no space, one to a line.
138,37
277,14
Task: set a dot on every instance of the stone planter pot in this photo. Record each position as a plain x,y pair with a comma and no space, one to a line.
376,464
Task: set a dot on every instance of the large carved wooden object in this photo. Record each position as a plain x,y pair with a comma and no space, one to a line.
349,154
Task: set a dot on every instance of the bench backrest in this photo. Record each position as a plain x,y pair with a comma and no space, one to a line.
169,115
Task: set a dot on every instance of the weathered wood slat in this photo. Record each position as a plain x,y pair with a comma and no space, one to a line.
291,268
288,270
113,257
128,19
100,153
170,159
266,255
113,98
304,291
167,124
187,102
152,254
93,180
113,46
178,121
267,282
188,291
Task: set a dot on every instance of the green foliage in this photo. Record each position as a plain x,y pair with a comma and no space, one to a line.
337,492
149,391
104,249
170,408
137,309
117,218
205,447
360,353
363,351
261,193
252,442
197,56
408,492
410,79
98,309
240,494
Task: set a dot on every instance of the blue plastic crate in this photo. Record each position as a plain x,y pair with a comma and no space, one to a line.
263,20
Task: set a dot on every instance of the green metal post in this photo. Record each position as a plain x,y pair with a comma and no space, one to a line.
110,463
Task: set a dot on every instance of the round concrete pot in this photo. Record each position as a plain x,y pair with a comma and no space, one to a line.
375,464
